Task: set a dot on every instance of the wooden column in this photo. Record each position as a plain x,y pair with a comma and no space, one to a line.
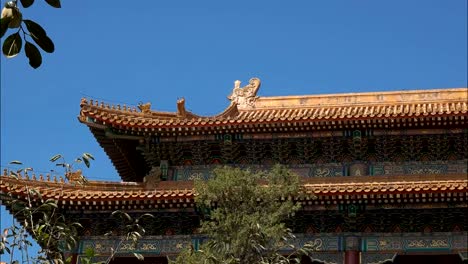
352,257
352,250
74,257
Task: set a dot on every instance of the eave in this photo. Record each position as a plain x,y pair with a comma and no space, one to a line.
367,110
96,195
119,129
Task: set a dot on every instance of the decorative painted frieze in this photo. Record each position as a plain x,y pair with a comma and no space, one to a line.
183,173
321,244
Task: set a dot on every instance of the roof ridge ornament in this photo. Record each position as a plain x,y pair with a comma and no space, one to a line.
153,177
181,107
144,108
245,96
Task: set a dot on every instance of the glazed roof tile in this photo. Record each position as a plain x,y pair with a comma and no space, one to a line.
355,106
119,129
182,191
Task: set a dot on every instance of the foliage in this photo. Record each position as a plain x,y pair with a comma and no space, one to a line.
12,18
43,221
244,217
132,228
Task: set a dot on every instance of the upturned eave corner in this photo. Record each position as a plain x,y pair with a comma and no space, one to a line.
81,118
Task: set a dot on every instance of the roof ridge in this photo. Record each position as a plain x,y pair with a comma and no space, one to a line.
364,98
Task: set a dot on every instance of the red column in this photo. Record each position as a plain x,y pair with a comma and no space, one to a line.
74,259
352,257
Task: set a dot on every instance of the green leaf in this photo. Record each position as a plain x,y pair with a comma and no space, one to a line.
33,54
16,162
39,195
4,26
12,45
88,155
40,228
77,224
86,161
34,192
147,215
7,250
139,256
45,43
27,3
34,27
69,259
52,203
55,158
89,252
39,35
57,260
122,215
54,3
17,206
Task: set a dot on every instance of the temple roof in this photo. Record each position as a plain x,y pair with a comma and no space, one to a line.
246,109
335,190
121,129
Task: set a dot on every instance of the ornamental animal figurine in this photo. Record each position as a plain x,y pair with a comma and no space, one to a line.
144,108
245,95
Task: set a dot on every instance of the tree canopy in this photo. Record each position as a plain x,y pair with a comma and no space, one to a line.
243,217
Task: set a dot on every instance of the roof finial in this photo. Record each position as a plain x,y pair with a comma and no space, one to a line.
246,95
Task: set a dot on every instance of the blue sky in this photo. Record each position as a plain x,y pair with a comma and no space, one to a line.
158,51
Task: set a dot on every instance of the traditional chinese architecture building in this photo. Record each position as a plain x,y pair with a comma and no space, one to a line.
388,169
